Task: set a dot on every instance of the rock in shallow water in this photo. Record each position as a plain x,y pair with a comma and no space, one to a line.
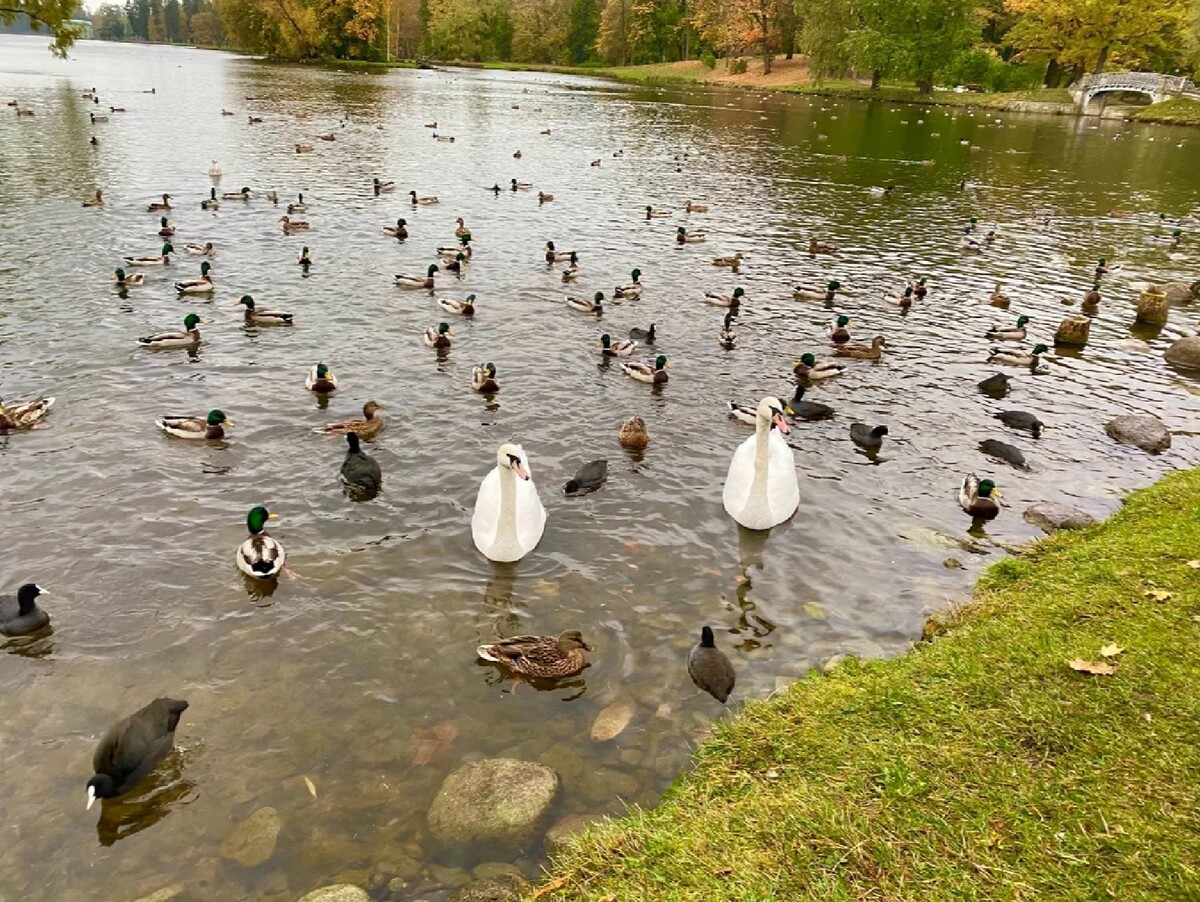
339,892
568,826
1141,430
1050,517
505,888
497,801
611,721
253,840
1185,353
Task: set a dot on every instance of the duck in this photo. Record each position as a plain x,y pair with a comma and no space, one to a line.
632,291
321,380
166,228
132,748
998,298
1091,301
200,250
977,497
214,170
863,352
808,368
869,438
96,119
260,556
184,338
456,264
812,293
717,299
553,255
421,201
483,379
165,204
838,333
903,301
652,213
727,338
303,259
453,252
128,281
384,187
582,305
258,317
572,272
816,247
367,428
969,245
1014,357
428,125
609,348
202,285
710,668
304,148
514,185
633,434
461,228
1005,452
508,520
210,202
211,427
438,337
995,386
690,207
399,230
920,289
683,236
426,281
1008,333
732,262
97,200
876,191
293,225
643,335
244,194
225,112
1022,421
24,414
1103,269
540,657
761,489
20,614
654,374
461,308
544,198
360,472
808,411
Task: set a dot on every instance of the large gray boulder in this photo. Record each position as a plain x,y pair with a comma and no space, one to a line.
1140,430
497,801
1185,353
1051,517
253,840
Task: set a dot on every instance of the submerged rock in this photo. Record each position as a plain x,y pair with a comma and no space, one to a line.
1050,516
1180,292
501,888
253,840
338,892
564,829
1140,430
1185,353
612,721
499,801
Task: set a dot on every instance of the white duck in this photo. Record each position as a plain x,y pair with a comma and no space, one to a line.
761,489
509,519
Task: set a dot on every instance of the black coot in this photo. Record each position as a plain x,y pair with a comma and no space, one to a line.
20,615
360,471
709,668
132,748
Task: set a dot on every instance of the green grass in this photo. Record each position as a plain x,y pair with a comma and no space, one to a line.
978,766
1178,111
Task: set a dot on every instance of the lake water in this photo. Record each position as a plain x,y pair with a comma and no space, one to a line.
343,674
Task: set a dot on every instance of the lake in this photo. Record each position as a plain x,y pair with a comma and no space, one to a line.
358,676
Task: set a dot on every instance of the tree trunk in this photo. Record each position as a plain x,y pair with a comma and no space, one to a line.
925,84
1102,59
876,78
1053,73
765,22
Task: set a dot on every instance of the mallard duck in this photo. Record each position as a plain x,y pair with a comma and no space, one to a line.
761,489
572,272
225,112
869,438
272,197
633,434
244,194
1008,333
384,187
863,352
977,497
1091,300
210,202
360,472
461,228
541,657
293,225
189,335
438,337
800,409
156,206
595,305
428,125
544,198
816,247
211,427
690,207
200,250
903,301
655,374
652,213
1014,357
838,332
643,335
303,259
632,291
876,191
96,119
509,519
969,245
519,186
730,262
553,255
462,308
483,379
426,281
683,236
96,201
421,201
399,230
166,228
998,298
456,264
808,368
710,668
367,428
1103,269
263,317
452,252
128,281
254,120
610,348
725,300
161,260
812,293
304,148
321,380
202,285
260,556
24,414
919,289
727,338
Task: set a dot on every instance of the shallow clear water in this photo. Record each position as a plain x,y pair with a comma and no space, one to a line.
339,675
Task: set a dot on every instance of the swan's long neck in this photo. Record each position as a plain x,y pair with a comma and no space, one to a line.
507,528
762,457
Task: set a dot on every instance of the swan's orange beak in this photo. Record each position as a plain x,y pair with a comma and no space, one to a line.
520,470
781,424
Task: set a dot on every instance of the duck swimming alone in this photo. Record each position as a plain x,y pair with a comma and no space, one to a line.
209,428
260,317
165,204
977,497
321,380
541,657
633,434
483,379
260,556
399,230
24,414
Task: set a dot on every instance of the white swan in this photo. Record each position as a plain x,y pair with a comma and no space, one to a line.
509,518
761,489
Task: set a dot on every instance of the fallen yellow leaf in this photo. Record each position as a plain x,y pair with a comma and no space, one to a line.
312,790
722,872
555,884
1095,669
1158,594
1110,651
1195,565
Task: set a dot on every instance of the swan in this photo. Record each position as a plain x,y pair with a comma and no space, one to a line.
509,518
761,489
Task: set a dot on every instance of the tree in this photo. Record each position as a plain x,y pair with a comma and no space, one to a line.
612,41
137,13
917,38
585,28
823,37
49,15
540,30
108,24
203,29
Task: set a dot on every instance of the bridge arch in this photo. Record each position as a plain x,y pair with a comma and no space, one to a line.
1151,84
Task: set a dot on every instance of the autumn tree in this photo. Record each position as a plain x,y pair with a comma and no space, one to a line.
44,15
108,23
916,38
540,30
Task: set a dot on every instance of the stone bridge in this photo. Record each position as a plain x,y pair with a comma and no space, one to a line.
1157,87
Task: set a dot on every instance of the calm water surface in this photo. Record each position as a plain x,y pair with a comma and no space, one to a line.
342,674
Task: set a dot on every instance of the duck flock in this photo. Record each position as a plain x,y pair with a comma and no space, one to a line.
761,488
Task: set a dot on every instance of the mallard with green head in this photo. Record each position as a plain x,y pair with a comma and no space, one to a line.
260,556
633,290
1014,357
166,228
162,259
128,281
610,348
382,187
24,414
399,230
1008,333
717,299
839,332
321,380
367,428
211,427
408,281
903,301
456,264
808,368
244,194
813,293
202,285
652,213
541,657
438,337
582,305
176,338
727,338
978,497
260,317
572,272
655,374
421,201
683,236
554,255
461,308
483,379
920,289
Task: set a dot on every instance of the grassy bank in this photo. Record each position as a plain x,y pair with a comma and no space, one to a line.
980,765
1178,111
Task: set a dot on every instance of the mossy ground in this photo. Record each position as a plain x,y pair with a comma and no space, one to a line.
978,766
